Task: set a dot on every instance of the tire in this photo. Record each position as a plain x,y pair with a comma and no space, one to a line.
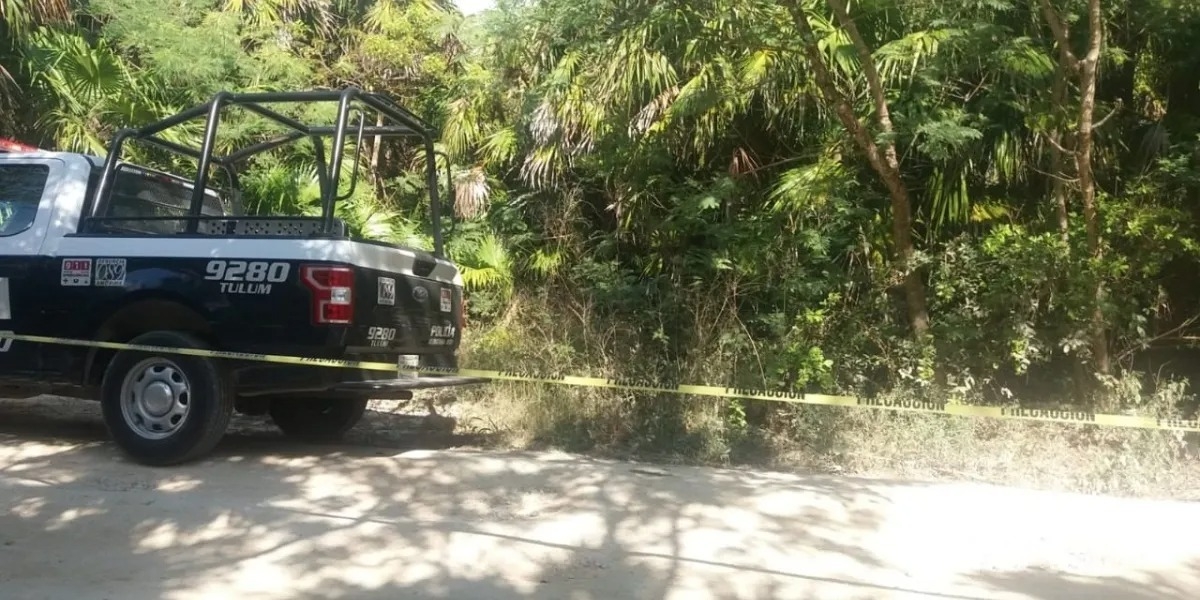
317,419
164,409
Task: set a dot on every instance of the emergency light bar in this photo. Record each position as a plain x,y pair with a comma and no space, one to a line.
7,145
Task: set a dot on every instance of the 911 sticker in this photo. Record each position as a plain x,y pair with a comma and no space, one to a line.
76,272
446,300
246,277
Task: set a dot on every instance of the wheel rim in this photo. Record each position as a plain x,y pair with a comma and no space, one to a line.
155,398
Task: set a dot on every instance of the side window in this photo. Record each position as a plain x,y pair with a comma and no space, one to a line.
21,188
137,196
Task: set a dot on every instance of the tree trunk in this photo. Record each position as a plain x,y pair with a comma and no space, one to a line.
914,287
1086,70
1058,159
884,161
1087,181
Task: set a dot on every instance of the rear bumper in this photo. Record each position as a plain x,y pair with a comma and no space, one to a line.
384,389
266,379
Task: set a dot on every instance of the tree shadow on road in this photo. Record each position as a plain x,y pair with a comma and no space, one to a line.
1053,585
266,518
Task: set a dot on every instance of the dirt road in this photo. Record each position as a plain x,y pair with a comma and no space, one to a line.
264,519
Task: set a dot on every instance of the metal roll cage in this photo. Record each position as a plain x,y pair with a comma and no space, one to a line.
397,122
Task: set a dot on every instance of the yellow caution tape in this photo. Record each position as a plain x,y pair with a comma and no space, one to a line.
962,410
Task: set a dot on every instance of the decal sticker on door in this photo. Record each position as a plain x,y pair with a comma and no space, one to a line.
110,272
246,277
76,272
446,304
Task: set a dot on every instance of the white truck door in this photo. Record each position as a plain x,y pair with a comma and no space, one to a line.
29,187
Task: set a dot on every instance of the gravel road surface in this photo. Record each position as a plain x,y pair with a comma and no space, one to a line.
267,519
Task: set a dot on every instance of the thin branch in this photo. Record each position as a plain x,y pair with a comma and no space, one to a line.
978,86
1057,145
867,61
825,83
1114,111
777,163
1058,177
1167,335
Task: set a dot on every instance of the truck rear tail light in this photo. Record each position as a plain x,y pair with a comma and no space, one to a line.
332,291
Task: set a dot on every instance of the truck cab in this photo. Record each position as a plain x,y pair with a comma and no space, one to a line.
97,250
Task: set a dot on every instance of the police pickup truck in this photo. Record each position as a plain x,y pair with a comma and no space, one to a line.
104,250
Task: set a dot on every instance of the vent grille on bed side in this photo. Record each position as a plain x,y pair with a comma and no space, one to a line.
268,227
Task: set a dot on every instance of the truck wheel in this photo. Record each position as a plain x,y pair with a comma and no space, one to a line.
317,419
162,408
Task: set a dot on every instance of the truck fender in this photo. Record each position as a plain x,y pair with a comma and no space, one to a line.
140,315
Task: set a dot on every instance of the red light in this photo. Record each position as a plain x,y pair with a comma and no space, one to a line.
332,293
338,313
8,145
330,276
341,277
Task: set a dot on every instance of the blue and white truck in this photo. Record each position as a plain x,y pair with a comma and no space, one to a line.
99,249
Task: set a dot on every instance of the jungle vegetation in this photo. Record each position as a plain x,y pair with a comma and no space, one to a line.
984,201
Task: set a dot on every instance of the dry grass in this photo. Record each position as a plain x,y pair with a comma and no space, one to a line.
1049,456
1046,456
669,428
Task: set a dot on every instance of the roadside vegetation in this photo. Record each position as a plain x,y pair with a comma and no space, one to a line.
993,201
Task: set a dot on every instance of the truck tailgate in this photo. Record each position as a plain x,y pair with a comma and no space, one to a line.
404,313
